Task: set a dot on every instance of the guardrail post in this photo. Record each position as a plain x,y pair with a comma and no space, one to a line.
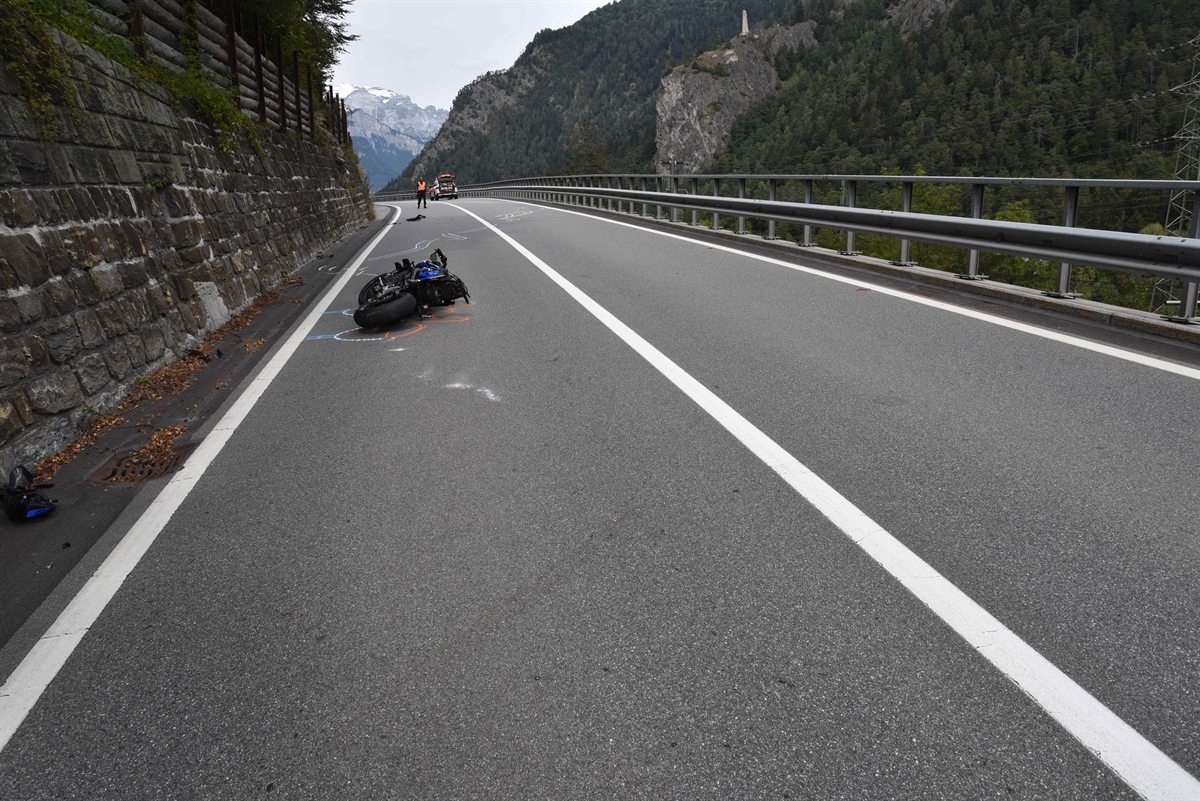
716,193
674,191
137,34
280,89
312,103
1187,302
645,206
1190,291
296,93
972,273
1062,286
695,191
258,71
905,206
851,202
658,187
741,196
231,51
771,196
808,198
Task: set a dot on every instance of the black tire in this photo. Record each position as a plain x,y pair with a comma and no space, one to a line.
371,288
383,315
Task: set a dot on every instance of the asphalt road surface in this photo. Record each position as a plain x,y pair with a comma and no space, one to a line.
521,551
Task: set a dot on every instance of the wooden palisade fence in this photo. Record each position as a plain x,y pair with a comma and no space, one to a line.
236,52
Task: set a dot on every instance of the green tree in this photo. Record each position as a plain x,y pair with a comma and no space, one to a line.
585,152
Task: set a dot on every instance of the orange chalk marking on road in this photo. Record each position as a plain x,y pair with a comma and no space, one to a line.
418,328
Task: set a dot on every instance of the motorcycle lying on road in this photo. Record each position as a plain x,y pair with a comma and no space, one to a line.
388,299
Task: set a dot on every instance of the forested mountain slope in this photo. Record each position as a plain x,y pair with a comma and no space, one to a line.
998,87
604,70
985,87
1047,88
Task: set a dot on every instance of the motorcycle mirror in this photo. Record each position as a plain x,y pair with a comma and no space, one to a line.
20,478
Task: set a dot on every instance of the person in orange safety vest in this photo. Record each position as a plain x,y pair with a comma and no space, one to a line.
421,193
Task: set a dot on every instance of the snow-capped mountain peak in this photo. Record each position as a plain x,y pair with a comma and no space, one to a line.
388,128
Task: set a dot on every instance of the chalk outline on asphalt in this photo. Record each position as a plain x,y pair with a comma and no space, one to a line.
1137,761
25,685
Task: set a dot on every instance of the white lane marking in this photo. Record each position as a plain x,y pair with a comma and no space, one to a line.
1145,768
39,667
1079,342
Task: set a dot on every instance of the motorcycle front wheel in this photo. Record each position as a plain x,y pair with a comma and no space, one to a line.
372,290
386,314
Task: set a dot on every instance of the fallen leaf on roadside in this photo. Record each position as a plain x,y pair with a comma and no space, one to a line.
172,379
87,434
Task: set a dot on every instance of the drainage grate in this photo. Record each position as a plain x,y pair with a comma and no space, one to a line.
923,292
123,469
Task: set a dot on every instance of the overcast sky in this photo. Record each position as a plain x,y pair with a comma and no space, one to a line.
429,49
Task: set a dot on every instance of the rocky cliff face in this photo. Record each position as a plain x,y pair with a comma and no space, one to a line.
700,101
388,129
472,107
132,235
914,15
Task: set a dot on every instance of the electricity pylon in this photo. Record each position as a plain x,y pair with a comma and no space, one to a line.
1168,293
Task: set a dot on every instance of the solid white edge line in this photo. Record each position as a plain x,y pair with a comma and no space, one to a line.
1137,761
29,680
1068,339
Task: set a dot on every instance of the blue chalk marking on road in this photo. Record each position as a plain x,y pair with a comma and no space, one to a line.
340,337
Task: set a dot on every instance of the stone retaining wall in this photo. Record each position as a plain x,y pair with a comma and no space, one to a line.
128,237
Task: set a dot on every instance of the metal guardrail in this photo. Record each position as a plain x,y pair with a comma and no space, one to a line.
1162,256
